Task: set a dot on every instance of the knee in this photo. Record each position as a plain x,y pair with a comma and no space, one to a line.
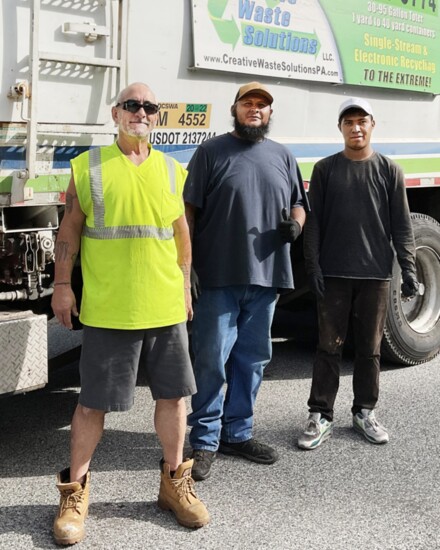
88,413
331,346
209,373
171,404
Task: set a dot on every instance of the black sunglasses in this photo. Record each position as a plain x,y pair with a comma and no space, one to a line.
133,106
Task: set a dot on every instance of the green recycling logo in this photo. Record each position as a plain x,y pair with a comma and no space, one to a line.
227,29
229,32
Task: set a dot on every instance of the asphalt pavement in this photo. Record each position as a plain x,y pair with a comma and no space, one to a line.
347,494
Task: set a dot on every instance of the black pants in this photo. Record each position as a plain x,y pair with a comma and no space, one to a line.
366,300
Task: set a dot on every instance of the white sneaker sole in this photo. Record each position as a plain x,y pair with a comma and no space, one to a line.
358,429
316,442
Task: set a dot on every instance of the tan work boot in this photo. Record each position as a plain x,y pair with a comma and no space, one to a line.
177,494
68,526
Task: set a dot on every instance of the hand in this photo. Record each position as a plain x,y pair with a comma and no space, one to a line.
188,304
195,286
289,228
410,285
64,305
316,283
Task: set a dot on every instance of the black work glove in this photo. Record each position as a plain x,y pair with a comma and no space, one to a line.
195,286
289,228
316,283
410,285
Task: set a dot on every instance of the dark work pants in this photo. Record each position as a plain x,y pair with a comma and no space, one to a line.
366,300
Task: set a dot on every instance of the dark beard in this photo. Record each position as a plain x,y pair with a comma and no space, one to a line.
250,132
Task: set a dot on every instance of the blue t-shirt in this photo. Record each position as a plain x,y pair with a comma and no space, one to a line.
239,189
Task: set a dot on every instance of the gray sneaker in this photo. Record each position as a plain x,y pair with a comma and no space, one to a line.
366,424
318,429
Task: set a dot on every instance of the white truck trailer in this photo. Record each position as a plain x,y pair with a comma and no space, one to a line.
62,63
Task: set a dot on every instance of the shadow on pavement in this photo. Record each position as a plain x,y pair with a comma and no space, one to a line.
36,521
35,433
39,449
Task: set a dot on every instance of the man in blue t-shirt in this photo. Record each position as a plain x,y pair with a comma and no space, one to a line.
245,201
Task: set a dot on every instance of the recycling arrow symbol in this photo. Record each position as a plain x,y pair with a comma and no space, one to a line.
227,29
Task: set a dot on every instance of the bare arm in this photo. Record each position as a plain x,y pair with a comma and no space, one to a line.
183,246
66,251
190,213
298,214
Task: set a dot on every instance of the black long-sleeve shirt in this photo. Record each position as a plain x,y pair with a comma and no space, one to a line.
357,209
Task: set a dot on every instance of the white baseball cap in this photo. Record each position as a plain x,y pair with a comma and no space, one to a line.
355,103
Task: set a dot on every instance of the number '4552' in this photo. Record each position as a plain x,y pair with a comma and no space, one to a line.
193,119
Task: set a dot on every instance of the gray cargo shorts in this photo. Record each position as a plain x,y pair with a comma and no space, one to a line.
110,359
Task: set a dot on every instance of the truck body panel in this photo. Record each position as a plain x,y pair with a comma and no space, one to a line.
63,64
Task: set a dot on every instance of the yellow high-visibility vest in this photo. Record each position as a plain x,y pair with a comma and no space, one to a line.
128,253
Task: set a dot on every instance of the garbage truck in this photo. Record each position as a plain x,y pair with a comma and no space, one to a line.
63,62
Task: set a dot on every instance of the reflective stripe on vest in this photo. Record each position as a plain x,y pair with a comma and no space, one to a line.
121,232
95,171
129,232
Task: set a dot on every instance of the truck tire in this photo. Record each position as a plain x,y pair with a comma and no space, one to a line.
412,329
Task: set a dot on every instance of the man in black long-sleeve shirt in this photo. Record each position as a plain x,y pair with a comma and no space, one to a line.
358,208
